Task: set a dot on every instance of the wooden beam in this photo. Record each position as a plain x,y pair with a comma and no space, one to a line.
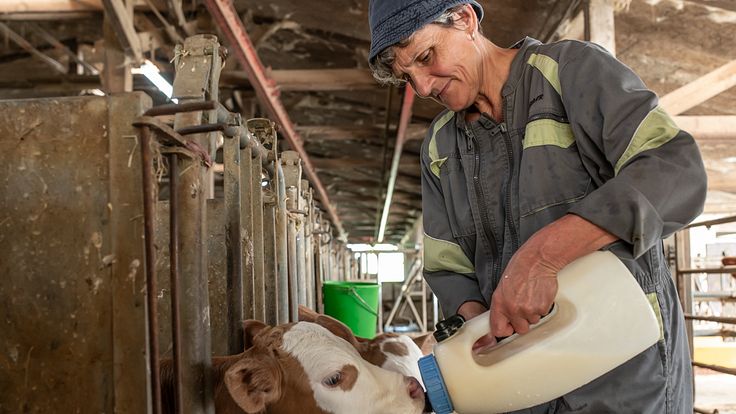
309,79
574,29
23,43
599,25
416,131
49,6
700,90
121,21
707,128
116,75
46,36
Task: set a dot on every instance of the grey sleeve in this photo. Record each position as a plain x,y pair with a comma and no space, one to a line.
651,176
448,271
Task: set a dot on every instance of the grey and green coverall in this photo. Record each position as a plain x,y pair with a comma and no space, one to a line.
581,135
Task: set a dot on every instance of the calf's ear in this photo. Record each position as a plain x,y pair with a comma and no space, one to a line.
251,328
425,343
254,382
307,315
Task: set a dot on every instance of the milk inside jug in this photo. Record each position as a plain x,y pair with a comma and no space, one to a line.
601,318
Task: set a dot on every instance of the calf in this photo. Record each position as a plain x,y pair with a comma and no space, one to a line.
303,368
398,353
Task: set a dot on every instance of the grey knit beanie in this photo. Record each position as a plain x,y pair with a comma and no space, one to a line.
394,20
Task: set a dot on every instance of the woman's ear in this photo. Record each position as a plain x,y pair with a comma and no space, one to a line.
467,21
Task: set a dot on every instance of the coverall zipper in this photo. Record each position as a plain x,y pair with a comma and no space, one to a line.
509,183
495,259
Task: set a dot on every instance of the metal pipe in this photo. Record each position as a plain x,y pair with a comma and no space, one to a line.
228,20
270,272
404,120
256,200
200,129
719,319
301,251
718,368
708,223
195,75
150,255
725,269
291,236
246,182
233,245
174,271
282,249
704,411
190,106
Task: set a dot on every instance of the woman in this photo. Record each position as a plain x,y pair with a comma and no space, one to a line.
546,152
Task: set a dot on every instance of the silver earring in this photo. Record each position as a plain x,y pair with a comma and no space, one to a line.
472,36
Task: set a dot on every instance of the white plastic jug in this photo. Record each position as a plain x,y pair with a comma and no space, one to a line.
601,319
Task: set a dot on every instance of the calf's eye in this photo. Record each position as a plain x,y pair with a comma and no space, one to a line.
333,380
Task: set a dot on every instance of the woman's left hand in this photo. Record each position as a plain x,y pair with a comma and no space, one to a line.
526,290
528,286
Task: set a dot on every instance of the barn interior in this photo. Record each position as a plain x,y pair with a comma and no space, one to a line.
174,167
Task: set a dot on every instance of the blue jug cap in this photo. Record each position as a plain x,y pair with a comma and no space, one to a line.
436,390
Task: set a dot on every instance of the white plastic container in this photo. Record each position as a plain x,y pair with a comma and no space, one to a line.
601,319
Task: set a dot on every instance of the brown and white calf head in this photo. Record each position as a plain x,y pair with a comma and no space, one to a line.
398,353
305,368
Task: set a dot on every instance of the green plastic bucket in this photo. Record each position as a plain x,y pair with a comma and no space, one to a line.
353,303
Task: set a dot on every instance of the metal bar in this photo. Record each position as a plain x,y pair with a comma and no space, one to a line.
270,272
196,373
291,236
708,223
424,304
174,271
308,224
233,245
150,266
256,200
200,129
282,254
704,411
319,269
189,106
25,45
719,319
46,36
404,120
718,368
246,206
685,288
229,21
301,251
725,269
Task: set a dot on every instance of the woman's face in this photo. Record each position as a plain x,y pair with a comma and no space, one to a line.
441,63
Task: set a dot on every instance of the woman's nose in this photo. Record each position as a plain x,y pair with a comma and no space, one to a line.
422,85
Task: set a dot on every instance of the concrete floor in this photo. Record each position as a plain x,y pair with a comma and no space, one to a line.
715,391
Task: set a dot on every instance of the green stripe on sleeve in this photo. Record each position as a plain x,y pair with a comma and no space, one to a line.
548,132
434,157
445,255
548,67
655,130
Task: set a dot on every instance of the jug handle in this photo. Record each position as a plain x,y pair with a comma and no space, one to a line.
480,328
